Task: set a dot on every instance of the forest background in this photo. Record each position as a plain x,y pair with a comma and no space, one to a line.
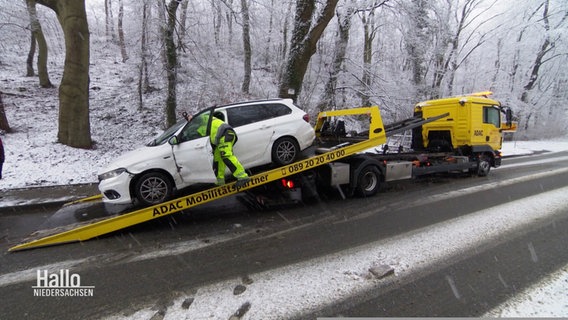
152,59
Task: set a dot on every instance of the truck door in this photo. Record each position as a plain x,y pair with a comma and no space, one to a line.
492,126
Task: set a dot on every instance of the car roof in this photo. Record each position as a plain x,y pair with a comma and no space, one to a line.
285,101
255,102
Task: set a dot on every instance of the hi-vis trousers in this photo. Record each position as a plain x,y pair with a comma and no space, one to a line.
223,157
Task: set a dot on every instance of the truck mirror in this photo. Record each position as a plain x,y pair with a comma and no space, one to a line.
509,117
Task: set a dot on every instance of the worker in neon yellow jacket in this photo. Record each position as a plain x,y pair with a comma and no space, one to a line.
223,138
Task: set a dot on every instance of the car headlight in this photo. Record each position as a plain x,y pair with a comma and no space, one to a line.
111,174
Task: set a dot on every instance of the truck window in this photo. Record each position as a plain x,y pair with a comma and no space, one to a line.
491,115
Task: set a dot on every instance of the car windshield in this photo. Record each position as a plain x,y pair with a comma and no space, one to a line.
162,138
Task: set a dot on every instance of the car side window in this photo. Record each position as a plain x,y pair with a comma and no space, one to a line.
243,115
274,110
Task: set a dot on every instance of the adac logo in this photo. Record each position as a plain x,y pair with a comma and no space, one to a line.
61,284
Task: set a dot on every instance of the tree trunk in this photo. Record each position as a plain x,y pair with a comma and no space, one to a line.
109,20
183,25
74,126
217,20
303,45
327,101
143,62
284,46
269,34
229,18
545,47
121,43
31,54
171,63
246,46
416,38
4,126
368,37
44,81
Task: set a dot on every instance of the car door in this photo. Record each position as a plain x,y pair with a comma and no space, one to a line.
193,155
254,134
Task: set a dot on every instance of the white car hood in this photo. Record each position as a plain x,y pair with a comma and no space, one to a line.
138,160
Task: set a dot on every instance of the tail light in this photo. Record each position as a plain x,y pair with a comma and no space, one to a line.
306,118
286,183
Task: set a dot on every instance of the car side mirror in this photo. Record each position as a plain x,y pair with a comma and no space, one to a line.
173,141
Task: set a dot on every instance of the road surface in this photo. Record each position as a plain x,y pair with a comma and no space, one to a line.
153,265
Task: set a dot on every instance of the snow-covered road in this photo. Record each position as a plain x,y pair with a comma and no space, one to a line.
293,290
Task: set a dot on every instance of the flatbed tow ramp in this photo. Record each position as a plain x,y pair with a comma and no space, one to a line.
90,229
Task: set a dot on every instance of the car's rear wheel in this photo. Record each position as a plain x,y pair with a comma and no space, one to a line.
153,188
285,151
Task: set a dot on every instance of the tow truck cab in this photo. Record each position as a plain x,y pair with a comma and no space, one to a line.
474,126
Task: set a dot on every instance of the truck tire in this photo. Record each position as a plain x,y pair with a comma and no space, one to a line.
368,181
483,166
153,188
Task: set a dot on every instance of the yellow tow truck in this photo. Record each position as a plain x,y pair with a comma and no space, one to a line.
344,158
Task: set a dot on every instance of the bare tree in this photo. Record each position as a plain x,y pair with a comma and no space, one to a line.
217,21
37,33
328,100
30,60
546,47
416,41
469,14
109,21
303,44
74,126
4,126
183,25
121,42
369,32
246,46
544,54
171,62
143,79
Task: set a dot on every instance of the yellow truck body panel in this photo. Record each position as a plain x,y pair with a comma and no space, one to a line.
473,121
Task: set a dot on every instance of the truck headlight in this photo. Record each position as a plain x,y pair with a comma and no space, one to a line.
111,174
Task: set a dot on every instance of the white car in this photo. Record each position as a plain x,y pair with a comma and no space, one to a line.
268,131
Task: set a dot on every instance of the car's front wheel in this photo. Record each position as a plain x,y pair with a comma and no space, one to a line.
285,151
153,188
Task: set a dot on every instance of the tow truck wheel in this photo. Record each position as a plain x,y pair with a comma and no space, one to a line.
285,151
483,166
153,188
368,181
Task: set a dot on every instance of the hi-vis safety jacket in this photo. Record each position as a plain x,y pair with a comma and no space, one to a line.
218,129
